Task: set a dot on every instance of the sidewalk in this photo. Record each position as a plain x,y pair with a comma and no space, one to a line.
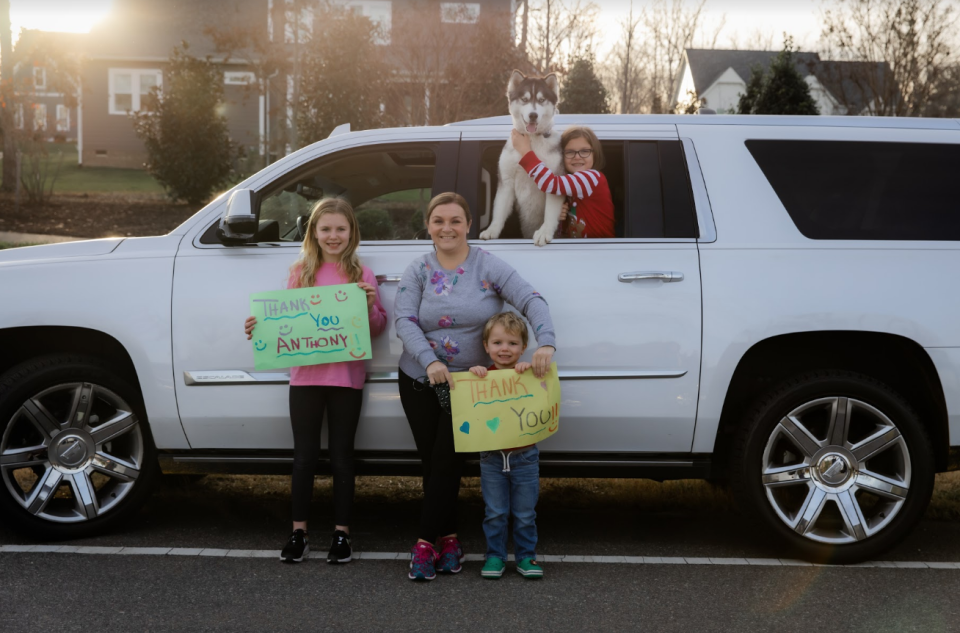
34,238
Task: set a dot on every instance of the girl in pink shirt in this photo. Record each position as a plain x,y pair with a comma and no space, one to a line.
328,257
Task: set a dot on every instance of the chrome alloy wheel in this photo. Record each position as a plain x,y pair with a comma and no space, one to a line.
836,470
72,452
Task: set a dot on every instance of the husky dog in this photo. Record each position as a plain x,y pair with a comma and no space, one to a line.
533,102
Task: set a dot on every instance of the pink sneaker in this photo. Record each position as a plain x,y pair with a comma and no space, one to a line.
451,555
422,560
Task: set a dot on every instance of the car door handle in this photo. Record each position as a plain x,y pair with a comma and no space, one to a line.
657,275
382,279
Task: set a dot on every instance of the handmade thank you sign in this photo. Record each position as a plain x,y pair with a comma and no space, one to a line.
504,410
310,326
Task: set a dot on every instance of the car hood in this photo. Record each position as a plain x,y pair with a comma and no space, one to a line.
85,248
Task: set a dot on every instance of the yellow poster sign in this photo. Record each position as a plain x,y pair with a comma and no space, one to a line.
504,410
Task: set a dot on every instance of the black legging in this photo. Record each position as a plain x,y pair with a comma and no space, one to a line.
307,404
432,429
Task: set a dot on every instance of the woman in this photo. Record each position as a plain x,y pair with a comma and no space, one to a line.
442,304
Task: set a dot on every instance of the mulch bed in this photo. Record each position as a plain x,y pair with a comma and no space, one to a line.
95,215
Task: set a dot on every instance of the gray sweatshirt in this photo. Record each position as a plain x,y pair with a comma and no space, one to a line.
440,313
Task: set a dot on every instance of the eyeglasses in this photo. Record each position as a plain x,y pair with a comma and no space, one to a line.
583,153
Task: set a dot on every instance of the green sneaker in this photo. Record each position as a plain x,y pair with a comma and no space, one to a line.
530,568
493,568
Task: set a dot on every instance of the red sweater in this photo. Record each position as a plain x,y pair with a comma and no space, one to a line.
591,212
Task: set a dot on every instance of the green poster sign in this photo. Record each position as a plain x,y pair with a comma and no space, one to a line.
310,326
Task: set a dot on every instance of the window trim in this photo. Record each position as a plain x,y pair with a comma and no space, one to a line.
135,74
444,179
457,10
41,85
40,117
66,110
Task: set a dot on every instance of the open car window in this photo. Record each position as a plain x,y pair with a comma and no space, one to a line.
389,187
487,189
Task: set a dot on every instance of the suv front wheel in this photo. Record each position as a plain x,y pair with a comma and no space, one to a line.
75,453
835,463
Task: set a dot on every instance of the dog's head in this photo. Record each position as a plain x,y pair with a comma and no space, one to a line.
533,102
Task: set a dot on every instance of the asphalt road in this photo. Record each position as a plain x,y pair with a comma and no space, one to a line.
115,592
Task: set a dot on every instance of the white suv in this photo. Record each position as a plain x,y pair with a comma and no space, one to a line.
780,311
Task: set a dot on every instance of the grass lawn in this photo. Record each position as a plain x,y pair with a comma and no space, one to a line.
75,179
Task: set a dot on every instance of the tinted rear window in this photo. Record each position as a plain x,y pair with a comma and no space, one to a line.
838,190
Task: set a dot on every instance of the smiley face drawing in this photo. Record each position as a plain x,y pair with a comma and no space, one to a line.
357,322
289,329
341,296
360,353
553,427
315,300
258,344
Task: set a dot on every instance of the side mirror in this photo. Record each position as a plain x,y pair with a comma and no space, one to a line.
239,222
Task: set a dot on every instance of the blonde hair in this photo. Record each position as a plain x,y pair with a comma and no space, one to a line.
310,259
447,198
581,131
510,322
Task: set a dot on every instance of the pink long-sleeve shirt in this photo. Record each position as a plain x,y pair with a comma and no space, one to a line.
347,373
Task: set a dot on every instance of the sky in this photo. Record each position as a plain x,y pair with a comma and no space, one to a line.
76,16
743,17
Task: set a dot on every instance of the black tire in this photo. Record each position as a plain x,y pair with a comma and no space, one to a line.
767,441
99,470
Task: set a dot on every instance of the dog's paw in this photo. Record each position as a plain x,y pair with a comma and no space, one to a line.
542,237
489,234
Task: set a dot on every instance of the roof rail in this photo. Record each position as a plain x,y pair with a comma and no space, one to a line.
343,128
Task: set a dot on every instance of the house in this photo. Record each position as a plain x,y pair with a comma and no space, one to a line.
124,56
45,101
719,77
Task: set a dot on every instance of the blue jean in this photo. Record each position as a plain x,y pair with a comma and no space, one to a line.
510,482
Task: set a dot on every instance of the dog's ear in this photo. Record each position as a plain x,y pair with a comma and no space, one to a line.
553,84
515,80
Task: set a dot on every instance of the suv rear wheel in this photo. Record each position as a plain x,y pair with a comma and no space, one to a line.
75,453
835,463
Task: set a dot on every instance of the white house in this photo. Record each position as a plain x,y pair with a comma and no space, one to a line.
719,77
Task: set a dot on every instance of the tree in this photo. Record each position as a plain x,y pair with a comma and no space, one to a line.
559,34
900,49
188,148
6,98
267,60
343,75
781,91
644,63
459,72
583,92
628,75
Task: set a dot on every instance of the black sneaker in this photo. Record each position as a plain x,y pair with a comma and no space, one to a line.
296,548
340,548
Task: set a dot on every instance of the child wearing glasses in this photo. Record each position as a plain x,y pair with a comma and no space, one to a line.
589,202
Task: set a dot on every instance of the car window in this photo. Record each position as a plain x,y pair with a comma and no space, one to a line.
389,187
839,190
649,185
659,199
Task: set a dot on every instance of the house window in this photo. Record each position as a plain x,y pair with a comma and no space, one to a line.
63,118
380,13
40,78
234,78
40,116
460,12
130,89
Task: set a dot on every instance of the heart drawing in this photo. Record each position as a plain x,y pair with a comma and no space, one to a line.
465,428
493,424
